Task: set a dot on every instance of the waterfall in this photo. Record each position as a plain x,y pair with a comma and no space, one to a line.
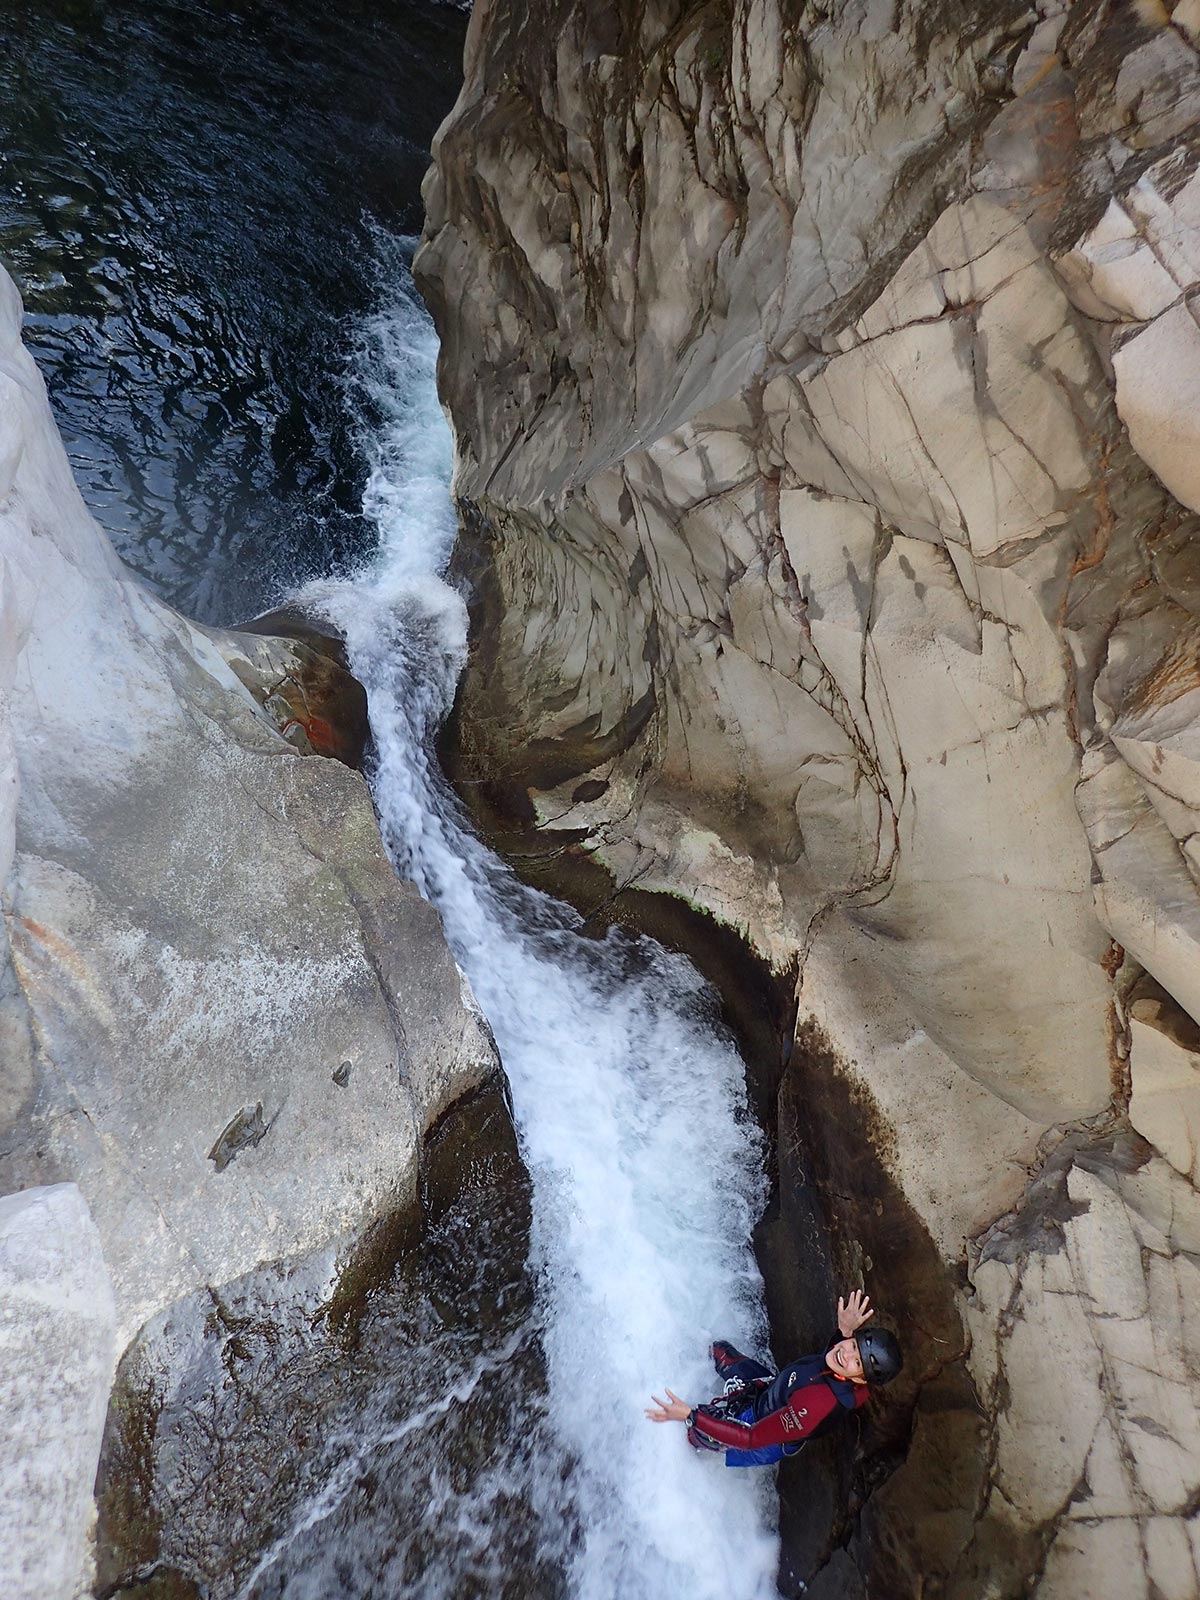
629,1100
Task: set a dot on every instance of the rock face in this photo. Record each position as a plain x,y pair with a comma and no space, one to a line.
301,678
824,382
57,1352
223,1016
266,1437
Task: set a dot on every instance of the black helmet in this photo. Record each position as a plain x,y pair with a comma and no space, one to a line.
880,1352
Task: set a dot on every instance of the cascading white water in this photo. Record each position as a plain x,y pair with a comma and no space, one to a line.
629,1102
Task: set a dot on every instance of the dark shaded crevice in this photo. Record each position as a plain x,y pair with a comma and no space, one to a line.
479,1122
911,1481
321,696
854,1521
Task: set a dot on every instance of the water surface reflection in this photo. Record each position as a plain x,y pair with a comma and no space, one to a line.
188,197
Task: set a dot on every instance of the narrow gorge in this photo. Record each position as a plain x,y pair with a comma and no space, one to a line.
589,780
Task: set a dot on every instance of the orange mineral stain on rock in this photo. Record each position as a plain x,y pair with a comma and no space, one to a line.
45,962
313,695
1175,674
55,946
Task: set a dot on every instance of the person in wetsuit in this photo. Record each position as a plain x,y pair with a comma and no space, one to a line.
763,1416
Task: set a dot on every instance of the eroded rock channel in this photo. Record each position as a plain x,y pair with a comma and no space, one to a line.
808,580
834,1215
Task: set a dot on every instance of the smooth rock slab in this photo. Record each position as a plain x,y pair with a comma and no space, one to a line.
57,1349
1165,1100
1158,396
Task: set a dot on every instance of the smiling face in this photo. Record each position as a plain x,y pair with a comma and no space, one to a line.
844,1359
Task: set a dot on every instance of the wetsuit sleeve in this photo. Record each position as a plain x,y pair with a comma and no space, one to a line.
807,1409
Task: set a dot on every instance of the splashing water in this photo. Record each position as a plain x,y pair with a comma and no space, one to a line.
629,1099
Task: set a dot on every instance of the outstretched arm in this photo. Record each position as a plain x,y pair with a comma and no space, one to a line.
672,1409
852,1312
805,1411
786,1426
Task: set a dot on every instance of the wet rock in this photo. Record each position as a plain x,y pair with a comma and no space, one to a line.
325,1424
300,676
907,1487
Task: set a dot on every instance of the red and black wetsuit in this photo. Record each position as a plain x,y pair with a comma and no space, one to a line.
781,1411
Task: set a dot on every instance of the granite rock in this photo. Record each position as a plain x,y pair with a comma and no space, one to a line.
200,922
58,1351
823,382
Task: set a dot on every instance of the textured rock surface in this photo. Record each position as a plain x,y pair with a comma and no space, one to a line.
223,1016
296,1424
57,1353
825,391
300,677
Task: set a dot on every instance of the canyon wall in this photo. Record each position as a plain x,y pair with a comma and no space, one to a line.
222,1016
826,390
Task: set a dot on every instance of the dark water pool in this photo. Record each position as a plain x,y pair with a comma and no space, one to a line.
191,194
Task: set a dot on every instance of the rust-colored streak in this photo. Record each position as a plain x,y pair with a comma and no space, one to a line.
1102,532
55,946
322,737
48,965
325,706
1176,673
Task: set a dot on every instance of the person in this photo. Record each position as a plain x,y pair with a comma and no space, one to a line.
763,1416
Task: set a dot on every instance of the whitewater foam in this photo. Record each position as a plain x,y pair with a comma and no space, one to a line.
629,1098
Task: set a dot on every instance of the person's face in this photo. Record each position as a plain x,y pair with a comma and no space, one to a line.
845,1360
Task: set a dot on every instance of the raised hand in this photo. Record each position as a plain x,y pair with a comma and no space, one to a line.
852,1312
672,1409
